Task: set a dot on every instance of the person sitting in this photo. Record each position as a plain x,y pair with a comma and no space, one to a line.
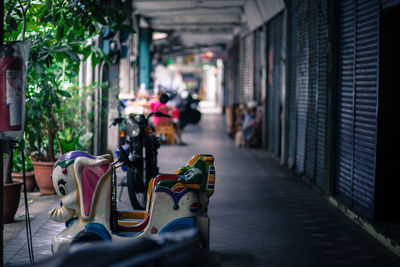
157,106
177,127
250,123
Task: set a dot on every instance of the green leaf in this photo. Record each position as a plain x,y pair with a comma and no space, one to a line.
49,4
63,93
76,139
72,56
66,147
61,49
95,60
60,32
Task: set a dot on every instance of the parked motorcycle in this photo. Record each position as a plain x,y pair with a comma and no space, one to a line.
188,109
141,144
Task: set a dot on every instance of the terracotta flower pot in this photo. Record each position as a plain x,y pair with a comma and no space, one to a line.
11,200
30,180
42,175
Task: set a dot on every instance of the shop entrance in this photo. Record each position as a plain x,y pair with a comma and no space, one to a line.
387,205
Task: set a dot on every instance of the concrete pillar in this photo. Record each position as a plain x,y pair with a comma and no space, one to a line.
113,92
144,56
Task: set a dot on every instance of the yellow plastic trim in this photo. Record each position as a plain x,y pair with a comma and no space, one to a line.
132,214
193,160
194,186
149,192
127,223
176,186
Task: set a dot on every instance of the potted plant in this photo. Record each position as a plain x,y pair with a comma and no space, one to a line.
70,139
17,171
60,32
41,128
11,191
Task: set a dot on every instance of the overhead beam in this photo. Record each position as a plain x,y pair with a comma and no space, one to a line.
178,25
159,5
205,30
213,19
190,11
190,2
194,50
193,39
197,29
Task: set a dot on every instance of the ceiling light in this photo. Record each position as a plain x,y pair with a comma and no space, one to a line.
159,35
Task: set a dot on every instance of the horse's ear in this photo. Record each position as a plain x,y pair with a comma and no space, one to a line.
90,173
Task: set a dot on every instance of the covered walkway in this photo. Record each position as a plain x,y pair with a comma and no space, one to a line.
261,213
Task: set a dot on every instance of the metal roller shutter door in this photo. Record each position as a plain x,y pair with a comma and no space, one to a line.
345,104
258,63
302,83
237,71
316,104
232,74
357,103
248,68
321,94
312,16
292,42
230,82
274,82
240,93
311,89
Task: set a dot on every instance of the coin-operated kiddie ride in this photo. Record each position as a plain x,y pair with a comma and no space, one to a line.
86,186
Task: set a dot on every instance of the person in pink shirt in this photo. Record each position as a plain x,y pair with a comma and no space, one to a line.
175,121
155,106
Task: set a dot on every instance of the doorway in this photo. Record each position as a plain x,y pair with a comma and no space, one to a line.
387,204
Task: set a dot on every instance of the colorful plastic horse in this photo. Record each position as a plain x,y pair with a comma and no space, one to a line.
86,186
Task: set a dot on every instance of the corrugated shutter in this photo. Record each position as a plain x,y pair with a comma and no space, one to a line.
237,72
258,62
292,42
312,24
311,88
230,83
345,104
357,103
232,69
248,68
302,83
274,94
240,94
321,101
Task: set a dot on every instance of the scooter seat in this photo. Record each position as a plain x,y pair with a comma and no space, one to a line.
132,226
129,222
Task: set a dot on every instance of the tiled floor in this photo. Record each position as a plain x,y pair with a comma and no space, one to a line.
43,230
261,214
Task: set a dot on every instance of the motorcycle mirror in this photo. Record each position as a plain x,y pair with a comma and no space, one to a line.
164,98
117,121
121,104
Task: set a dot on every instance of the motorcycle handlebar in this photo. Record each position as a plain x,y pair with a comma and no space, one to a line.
160,114
119,120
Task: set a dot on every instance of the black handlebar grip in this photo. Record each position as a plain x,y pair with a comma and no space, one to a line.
160,114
